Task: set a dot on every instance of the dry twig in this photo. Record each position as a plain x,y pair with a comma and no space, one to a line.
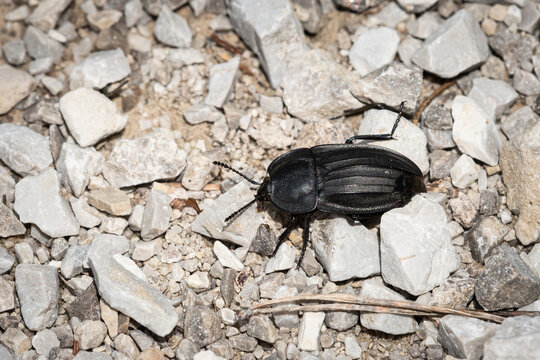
371,305
429,99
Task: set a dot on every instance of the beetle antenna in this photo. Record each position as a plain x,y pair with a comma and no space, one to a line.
219,163
239,211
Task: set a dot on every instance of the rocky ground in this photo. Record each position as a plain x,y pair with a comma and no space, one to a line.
104,250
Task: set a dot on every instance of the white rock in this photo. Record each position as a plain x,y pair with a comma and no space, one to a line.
38,201
494,96
407,48
151,157
198,281
135,220
45,16
172,29
408,140
156,215
23,150
352,348
86,215
457,45
90,116
99,69
221,83
271,30
144,250
464,337
474,132
373,49
345,250
77,165
207,355
374,288
416,6
416,249
44,341
226,257
129,265
211,221
309,332
15,85
464,172
283,260
24,253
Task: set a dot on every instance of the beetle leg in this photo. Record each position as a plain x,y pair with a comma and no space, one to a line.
285,234
388,136
305,238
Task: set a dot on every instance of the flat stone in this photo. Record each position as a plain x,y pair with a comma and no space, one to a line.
90,355
457,45
17,14
464,172
391,85
72,263
262,328
90,116
41,65
16,341
464,210
506,281
342,320
474,132
282,260
226,257
221,83
494,96
407,48
7,298
77,165
99,69
14,52
133,12
310,14
106,244
172,29
408,139
484,236
317,88
9,224
6,261
518,122
135,220
202,113
90,334
38,200
344,250
46,14
111,200
53,85
200,170
416,250
16,85
202,325
464,337
374,288
38,292
86,215
105,19
271,29
24,150
271,104
285,320
151,157
132,296
390,16
456,292
243,342
530,17
516,337
352,348
182,57
526,83
211,221
24,253
423,26
309,332
39,45
112,225
373,49
44,341
156,215
520,169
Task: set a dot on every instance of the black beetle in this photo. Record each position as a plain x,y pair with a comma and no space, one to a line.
357,180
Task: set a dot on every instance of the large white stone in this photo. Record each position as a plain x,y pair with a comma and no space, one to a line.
457,45
90,116
38,201
309,332
345,250
373,49
416,250
271,30
474,132
77,165
99,69
408,139
23,150
493,96
15,85
148,158
221,83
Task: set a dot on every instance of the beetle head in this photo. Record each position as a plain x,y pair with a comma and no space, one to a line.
262,192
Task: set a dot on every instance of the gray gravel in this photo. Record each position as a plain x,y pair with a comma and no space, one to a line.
112,214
